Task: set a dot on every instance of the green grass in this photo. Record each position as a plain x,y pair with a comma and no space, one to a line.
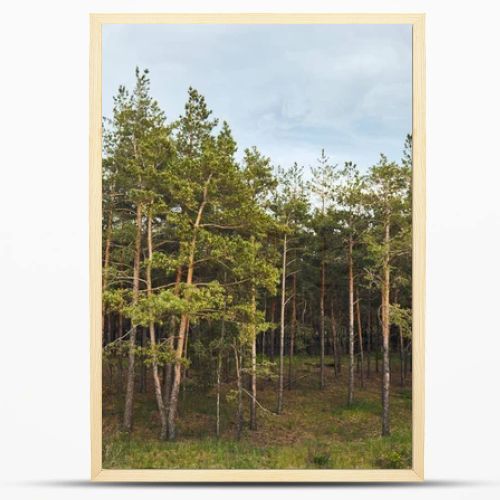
317,430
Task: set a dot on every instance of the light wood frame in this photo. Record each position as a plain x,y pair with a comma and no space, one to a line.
259,475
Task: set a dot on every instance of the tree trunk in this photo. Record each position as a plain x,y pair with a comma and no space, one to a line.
263,341
273,330
335,346
219,370
129,394
282,325
322,327
168,369
184,322
360,339
152,336
253,400
293,329
369,335
105,269
351,324
239,408
120,359
167,385
386,375
401,357
174,391
185,369
143,368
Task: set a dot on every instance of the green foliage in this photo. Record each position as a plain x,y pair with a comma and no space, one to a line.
162,354
211,241
116,299
265,369
165,262
156,308
402,318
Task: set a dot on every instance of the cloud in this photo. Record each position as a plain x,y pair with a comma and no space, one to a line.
291,90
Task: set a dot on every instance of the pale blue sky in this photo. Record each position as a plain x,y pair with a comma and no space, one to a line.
290,90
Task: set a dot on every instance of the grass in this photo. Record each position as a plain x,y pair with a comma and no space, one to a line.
317,429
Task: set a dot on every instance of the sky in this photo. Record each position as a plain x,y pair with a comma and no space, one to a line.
289,90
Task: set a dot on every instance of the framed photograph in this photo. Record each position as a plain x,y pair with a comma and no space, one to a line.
257,247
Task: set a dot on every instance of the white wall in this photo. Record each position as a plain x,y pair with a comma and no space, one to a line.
44,361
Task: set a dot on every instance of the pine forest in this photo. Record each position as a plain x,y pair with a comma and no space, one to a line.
254,315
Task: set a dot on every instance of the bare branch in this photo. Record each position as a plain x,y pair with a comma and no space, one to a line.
257,402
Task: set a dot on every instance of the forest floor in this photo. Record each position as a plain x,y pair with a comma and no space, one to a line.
317,429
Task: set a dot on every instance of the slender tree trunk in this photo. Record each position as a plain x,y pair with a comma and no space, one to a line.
152,336
293,329
282,325
129,394
253,401
219,370
263,341
369,335
168,369
110,339
183,325
143,369
360,339
401,357
120,359
386,374
351,324
185,369
105,270
167,385
217,407
322,326
239,408
335,346
273,330
176,379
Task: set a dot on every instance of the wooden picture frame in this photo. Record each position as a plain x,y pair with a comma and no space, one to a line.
195,475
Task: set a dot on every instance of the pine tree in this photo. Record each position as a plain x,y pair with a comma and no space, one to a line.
389,195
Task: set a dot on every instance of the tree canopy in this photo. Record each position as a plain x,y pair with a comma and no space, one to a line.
214,262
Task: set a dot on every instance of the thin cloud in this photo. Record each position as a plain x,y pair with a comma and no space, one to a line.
290,90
